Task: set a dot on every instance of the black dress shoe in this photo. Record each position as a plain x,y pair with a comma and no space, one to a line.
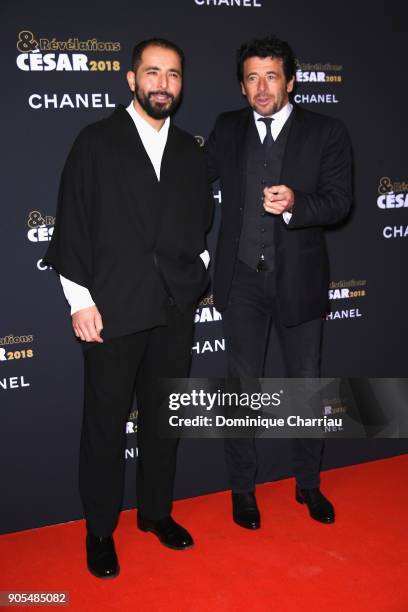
319,507
170,533
245,512
101,556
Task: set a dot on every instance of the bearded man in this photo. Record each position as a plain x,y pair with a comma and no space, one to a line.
134,207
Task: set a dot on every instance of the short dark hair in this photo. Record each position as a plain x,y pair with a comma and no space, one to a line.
153,42
270,46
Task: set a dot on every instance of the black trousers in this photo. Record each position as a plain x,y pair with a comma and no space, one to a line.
113,371
247,322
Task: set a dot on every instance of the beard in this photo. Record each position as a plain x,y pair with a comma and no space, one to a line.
157,110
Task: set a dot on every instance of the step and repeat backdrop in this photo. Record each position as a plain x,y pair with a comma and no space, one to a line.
64,66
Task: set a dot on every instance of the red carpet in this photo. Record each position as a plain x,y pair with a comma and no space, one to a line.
292,563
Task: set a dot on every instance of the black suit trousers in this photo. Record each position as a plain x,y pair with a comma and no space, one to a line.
115,370
247,321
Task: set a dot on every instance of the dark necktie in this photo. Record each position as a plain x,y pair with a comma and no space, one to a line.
267,144
268,140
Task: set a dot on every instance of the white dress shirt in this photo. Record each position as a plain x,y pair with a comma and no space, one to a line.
154,143
279,120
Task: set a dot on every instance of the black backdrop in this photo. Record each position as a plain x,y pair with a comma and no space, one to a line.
350,66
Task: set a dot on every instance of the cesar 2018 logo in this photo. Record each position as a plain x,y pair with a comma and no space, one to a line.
8,351
41,227
47,54
392,194
318,72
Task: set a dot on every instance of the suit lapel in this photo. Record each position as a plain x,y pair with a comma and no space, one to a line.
241,133
131,146
171,177
170,165
138,176
296,139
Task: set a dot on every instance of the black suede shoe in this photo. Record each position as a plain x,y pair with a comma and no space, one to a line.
320,509
101,556
168,531
245,512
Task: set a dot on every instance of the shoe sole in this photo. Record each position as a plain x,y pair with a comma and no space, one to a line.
324,522
147,530
104,577
250,527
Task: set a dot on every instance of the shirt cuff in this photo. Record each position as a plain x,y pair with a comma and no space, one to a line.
205,256
287,216
77,296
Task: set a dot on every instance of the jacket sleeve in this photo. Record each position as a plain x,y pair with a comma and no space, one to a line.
207,199
210,152
332,199
70,249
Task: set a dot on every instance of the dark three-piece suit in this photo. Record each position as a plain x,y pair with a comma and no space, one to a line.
288,286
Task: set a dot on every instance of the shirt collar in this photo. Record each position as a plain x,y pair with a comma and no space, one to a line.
143,126
279,118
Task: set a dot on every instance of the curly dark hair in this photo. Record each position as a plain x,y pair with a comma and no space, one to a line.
270,46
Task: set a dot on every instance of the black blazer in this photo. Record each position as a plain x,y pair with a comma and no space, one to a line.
317,166
119,230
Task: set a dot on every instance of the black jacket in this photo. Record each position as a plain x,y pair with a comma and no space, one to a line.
116,223
317,166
